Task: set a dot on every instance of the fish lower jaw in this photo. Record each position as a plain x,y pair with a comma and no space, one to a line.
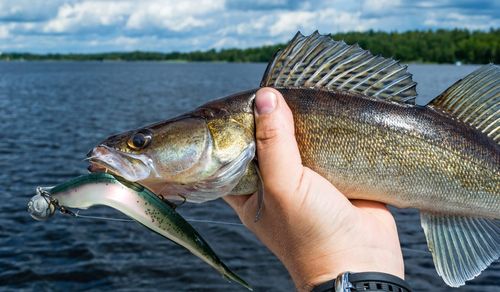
94,167
97,166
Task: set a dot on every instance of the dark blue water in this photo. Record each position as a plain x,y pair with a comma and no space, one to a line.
53,113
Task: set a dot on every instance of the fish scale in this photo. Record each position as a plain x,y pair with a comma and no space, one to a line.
410,170
357,125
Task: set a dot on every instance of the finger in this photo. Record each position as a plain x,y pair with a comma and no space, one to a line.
277,151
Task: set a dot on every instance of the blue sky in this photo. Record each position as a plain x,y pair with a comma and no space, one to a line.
42,26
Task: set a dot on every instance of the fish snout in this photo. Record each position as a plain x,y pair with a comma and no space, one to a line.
94,156
98,151
132,167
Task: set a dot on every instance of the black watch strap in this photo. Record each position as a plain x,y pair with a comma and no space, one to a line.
367,281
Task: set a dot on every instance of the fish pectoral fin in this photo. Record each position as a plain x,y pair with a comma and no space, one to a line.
461,247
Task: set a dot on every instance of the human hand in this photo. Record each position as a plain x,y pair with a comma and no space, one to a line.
315,231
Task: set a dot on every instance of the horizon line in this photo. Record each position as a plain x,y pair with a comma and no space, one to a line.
218,50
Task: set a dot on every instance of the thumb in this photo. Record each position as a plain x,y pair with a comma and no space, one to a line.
277,151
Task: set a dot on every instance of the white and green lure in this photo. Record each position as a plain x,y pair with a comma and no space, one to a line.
133,200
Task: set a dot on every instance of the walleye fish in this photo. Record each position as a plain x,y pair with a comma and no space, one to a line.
357,125
132,200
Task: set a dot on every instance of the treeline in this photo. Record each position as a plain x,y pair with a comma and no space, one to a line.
439,46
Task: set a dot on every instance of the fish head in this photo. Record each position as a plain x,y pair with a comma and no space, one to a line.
198,156
152,152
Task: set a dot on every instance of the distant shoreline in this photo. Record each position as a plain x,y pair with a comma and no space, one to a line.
440,46
202,62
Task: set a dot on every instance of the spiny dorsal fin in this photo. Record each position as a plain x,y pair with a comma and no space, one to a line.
320,62
461,247
475,100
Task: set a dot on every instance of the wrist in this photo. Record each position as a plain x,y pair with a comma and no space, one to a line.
307,272
371,281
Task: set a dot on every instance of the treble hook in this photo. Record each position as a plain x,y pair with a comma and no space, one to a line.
184,200
42,206
172,204
53,202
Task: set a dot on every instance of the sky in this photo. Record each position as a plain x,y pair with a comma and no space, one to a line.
87,26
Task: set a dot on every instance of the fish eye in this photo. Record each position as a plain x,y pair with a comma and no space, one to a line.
139,140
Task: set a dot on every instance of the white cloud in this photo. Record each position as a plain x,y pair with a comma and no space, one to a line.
426,4
380,5
185,25
173,15
133,15
280,26
287,22
120,43
73,17
326,21
455,19
4,32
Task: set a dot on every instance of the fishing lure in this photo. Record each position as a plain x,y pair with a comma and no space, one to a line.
133,200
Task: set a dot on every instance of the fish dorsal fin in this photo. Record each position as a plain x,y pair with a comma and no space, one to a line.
461,247
475,100
317,61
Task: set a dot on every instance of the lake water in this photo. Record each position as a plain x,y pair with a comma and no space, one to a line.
53,113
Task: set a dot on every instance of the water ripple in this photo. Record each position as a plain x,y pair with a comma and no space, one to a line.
53,113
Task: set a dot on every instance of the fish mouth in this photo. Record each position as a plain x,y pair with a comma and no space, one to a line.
96,165
132,167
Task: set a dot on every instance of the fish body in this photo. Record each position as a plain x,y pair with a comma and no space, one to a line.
405,156
136,202
357,124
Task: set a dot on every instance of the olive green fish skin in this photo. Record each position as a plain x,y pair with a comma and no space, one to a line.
406,156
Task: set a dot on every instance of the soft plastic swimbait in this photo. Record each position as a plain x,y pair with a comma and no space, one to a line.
133,200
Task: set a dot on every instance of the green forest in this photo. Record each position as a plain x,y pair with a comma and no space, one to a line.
431,46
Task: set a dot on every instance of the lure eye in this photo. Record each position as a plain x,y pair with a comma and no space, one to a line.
139,140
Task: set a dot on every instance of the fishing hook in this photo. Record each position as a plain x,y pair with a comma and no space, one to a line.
171,204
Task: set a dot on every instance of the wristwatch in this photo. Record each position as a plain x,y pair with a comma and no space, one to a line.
367,281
